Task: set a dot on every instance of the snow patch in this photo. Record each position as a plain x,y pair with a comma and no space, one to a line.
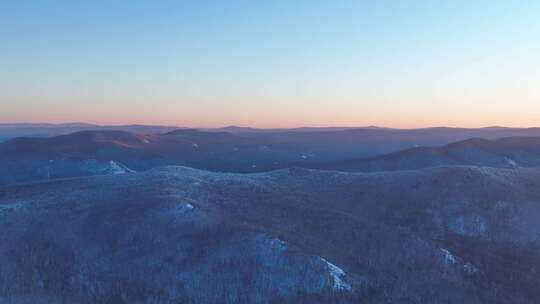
307,155
337,275
449,258
11,207
470,268
182,209
116,168
511,162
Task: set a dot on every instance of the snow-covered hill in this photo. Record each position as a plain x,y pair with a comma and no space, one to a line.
181,235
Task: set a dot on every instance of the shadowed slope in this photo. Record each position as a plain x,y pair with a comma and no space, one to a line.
508,152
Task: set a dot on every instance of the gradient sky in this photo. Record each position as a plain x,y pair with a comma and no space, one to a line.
271,63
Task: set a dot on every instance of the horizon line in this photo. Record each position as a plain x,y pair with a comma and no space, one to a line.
261,128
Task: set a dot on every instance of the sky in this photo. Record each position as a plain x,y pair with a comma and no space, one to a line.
280,63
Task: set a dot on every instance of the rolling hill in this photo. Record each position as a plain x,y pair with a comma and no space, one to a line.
101,152
180,235
510,152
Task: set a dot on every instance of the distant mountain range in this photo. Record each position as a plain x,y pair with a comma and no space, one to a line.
9,131
104,151
12,130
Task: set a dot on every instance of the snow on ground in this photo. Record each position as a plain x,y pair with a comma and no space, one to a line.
449,258
116,168
11,207
470,268
182,209
337,276
511,162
